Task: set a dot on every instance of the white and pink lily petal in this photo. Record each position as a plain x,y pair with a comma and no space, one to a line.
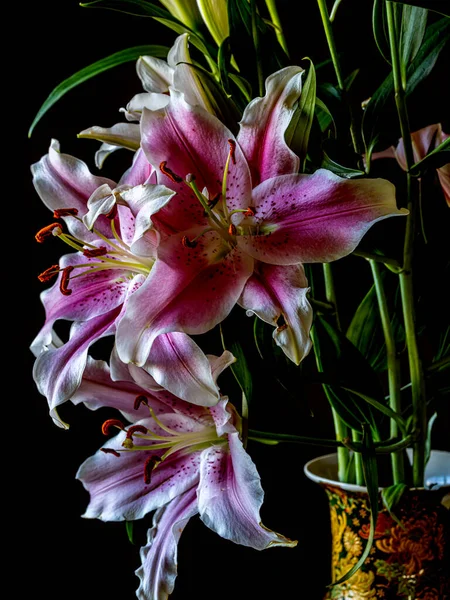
278,296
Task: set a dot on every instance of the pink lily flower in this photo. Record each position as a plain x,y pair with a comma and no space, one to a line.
242,222
175,458
110,226
423,141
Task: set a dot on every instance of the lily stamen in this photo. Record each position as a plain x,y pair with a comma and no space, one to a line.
169,173
65,212
149,465
45,232
63,286
49,273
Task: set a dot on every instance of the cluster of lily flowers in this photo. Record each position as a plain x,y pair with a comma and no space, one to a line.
201,221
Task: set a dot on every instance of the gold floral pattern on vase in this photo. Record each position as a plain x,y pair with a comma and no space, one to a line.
410,557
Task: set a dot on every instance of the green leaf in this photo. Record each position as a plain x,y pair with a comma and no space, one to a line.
369,463
351,374
438,157
365,330
138,8
299,128
391,496
130,530
243,85
379,27
331,165
240,368
324,116
96,68
414,22
438,6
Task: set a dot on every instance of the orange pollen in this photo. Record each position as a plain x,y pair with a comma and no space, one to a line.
187,243
140,400
250,212
215,200
106,427
232,229
46,232
92,253
49,273
232,150
136,429
282,327
150,464
65,212
169,173
110,451
63,284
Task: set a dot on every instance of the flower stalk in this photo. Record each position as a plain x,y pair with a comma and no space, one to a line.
406,276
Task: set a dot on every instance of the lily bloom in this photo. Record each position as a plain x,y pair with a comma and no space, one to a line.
175,458
242,222
109,226
424,141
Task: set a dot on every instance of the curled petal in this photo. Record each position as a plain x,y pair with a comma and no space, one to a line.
63,181
314,218
158,571
155,74
264,123
125,135
58,372
179,365
230,497
278,296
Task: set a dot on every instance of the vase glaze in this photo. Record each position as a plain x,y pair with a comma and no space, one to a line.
410,556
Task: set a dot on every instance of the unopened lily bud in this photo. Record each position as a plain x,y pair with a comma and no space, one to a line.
185,11
215,16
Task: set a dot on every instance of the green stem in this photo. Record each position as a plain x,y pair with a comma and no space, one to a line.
273,12
340,427
337,69
406,276
385,260
359,474
398,471
255,36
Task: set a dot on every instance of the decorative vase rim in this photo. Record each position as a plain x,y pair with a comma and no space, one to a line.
323,470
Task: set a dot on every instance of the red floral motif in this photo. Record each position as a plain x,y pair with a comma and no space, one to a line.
383,527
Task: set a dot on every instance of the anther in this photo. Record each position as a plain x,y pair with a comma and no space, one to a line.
215,200
63,284
250,212
49,273
65,212
140,400
110,451
93,252
282,328
150,464
106,427
232,229
46,232
136,429
232,150
169,173
187,243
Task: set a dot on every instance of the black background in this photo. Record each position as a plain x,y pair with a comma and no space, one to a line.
60,554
